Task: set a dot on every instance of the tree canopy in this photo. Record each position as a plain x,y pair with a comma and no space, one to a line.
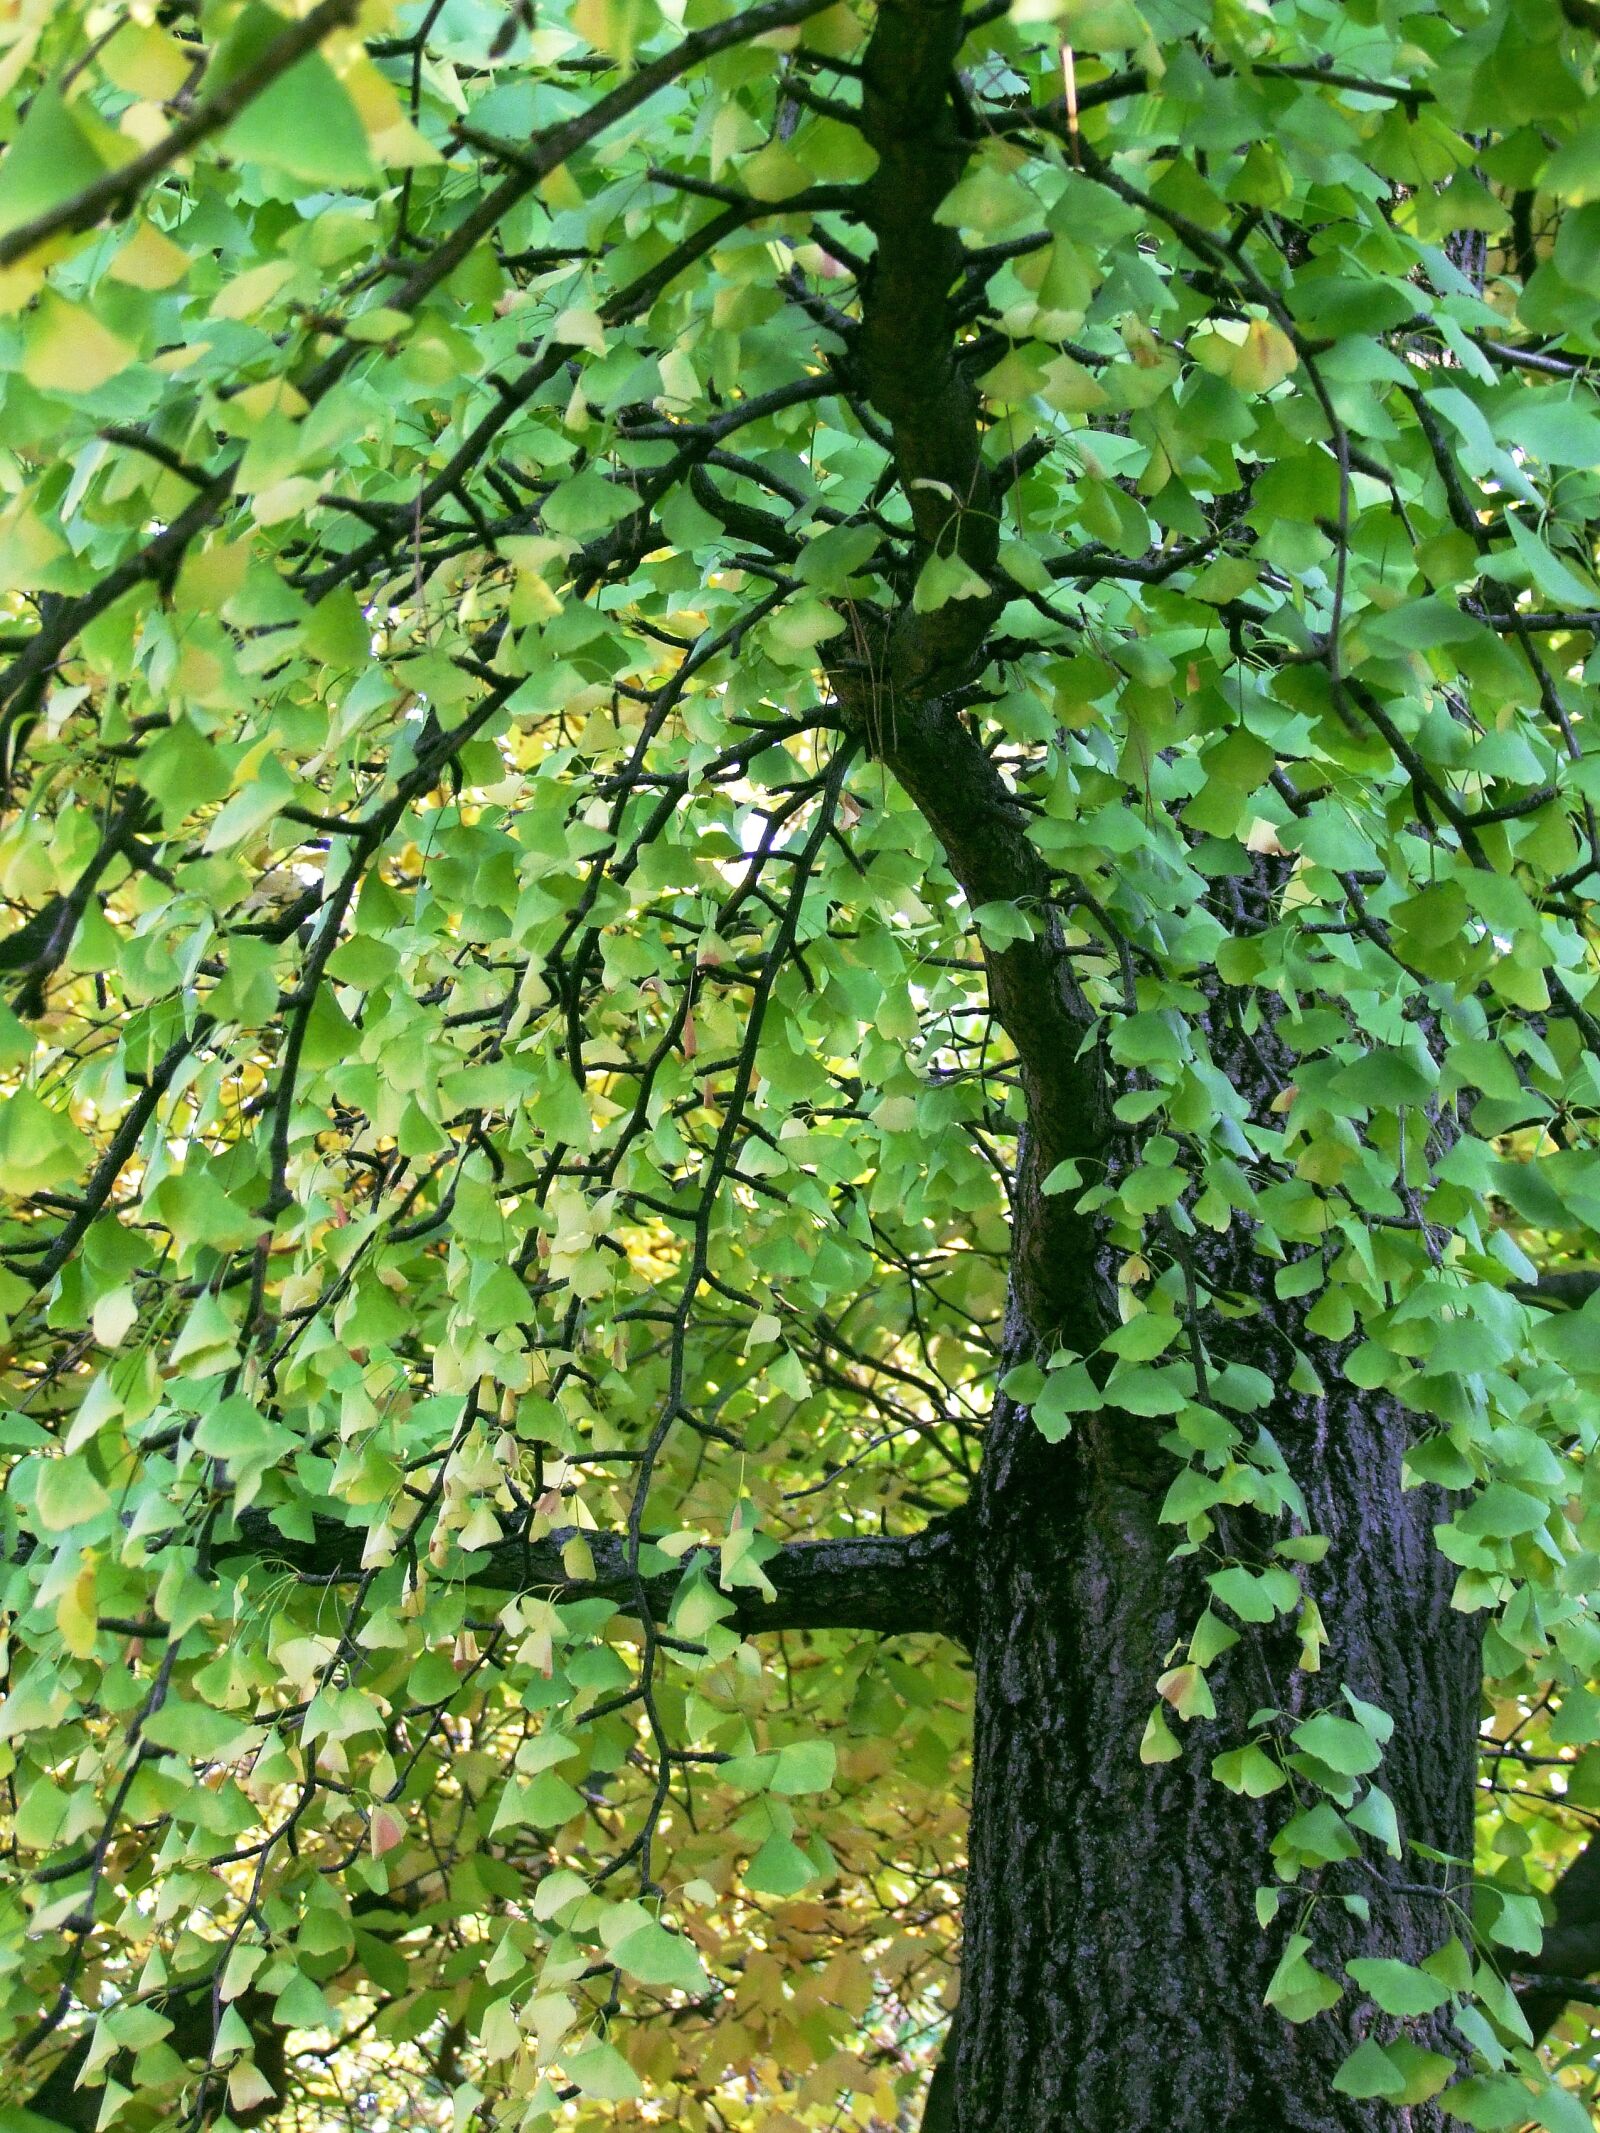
730,738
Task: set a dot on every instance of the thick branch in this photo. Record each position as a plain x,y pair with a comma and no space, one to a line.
940,762
894,1586
894,683
907,345
1568,1290
1571,1943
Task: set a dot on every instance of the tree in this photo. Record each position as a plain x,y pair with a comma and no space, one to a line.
798,851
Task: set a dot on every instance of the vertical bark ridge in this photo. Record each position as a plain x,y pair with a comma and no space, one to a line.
1114,1967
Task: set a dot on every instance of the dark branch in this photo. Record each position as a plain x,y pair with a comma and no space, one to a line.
1571,1943
907,346
1569,1290
933,752
894,682
891,1585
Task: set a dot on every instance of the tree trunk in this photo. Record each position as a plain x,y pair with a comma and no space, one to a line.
1114,1969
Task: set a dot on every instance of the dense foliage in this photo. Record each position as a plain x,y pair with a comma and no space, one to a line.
625,630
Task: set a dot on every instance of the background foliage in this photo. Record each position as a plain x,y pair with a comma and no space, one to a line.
506,1123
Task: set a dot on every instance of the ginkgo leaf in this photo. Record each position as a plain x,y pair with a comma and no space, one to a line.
67,349
53,155
601,2071
149,260
303,123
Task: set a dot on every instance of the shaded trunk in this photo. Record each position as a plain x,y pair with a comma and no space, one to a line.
1114,1969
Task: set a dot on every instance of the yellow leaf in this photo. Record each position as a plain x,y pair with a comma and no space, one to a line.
21,282
401,147
613,26
144,60
28,548
248,2086
395,142
576,1559
149,260
1160,1743
253,290
1070,389
1264,360
67,350
113,1317
582,325
270,396
561,191
172,360
284,499
75,1612
773,173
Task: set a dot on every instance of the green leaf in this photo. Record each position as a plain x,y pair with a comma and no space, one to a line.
1396,1987
1297,1989
1558,2109
1339,1742
303,123
1374,1814
1514,1921
1001,924
601,2072
804,1766
1248,1770
1502,1512
1245,1593
550,1801
1159,1744
1369,2071
779,1868
1489,2102
1555,428
1068,1390
944,578
1423,2072
39,1149
67,1493
208,1341
53,155
656,1957
194,1730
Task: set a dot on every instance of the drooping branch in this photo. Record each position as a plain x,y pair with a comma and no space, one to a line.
65,2099
157,561
894,1585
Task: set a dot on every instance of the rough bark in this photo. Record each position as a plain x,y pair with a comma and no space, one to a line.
1114,1970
